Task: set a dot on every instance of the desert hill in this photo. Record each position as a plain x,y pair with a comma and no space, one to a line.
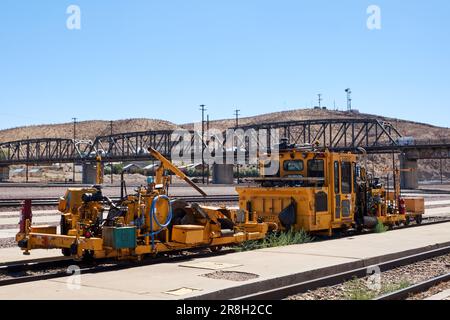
93,128
405,127
85,129
429,169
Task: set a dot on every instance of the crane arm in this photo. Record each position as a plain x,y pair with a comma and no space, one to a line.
166,164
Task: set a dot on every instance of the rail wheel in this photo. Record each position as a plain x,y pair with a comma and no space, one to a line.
88,256
419,219
215,248
67,252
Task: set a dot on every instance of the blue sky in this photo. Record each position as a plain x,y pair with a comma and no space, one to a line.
161,59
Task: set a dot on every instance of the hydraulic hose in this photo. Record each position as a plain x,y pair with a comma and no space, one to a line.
153,217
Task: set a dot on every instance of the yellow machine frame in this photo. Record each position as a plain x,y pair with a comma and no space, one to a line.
318,205
144,219
301,197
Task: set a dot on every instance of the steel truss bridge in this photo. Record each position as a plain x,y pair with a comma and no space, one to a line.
336,134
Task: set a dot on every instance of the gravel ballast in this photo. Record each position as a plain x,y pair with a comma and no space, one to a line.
392,280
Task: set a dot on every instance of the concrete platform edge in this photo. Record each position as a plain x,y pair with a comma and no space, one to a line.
268,284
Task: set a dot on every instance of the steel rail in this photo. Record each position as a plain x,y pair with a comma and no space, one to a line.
18,267
15,271
334,279
417,288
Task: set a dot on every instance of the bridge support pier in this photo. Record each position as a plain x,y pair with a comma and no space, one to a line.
223,174
4,173
409,179
89,175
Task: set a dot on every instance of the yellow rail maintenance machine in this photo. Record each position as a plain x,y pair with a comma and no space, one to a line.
146,222
321,191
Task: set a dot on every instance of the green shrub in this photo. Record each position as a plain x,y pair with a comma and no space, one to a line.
381,228
192,172
277,239
357,289
116,169
247,173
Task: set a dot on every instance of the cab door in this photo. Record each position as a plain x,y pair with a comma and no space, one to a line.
337,214
346,189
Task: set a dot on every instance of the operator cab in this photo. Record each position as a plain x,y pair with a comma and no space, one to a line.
296,166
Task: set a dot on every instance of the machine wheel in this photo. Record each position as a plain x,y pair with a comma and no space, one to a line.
419,219
67,252
88,256
215,248
359,228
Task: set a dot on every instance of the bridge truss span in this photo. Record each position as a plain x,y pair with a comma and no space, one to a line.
337,134
44,151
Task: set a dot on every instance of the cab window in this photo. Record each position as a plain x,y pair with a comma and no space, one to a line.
316,168
346,177
336,177
294,165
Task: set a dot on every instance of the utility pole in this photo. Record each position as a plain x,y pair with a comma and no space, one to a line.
394,170
111,123
320,100
74,138
236,114
207,130
203,109
28,155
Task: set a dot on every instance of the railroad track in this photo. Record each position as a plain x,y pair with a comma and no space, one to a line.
6,203
17,273
335,279
48,268
415,289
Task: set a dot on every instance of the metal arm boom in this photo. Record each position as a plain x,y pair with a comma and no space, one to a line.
166,164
